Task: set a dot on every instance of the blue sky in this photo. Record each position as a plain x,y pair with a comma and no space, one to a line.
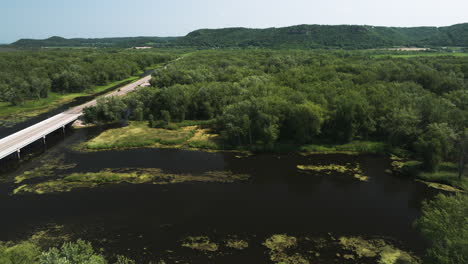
111,18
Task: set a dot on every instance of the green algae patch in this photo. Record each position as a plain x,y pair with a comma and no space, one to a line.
283,258
328,169
280,242
237,244
201,243
279,245
47,168
131,176
440,186
377,248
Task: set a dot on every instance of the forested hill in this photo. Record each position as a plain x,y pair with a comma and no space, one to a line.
320,36
301,36
93,42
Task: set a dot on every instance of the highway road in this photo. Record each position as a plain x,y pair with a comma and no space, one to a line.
20,139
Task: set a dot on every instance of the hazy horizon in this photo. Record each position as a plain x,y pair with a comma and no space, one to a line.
119,18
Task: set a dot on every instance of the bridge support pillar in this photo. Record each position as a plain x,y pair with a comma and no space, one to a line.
43,139
18,153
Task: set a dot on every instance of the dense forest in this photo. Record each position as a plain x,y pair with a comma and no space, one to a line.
301,36
271,97
32,75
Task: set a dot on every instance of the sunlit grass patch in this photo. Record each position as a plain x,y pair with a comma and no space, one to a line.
138,134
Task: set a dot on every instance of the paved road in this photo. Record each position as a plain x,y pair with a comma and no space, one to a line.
18,140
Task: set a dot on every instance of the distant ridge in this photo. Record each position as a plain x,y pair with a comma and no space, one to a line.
300,36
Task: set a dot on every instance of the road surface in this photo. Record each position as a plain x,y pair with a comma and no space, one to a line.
17,141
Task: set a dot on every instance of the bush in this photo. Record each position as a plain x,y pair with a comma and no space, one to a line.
22,253
444,222
80,252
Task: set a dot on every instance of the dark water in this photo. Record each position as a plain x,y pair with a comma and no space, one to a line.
144,221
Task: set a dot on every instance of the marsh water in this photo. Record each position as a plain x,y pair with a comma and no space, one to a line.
148,221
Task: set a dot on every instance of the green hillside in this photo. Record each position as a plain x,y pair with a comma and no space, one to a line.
300,36
93,42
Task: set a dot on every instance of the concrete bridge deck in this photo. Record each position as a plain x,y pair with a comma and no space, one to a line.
17,141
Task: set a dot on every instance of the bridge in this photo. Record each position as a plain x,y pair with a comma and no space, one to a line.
15,142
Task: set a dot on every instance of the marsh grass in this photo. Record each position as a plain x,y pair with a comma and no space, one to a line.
361,147
445,179
138,134
128,175
328,169
46,168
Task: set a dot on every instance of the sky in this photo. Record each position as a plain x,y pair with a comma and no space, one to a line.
125,18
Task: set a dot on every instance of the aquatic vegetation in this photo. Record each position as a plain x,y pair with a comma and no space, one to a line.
278,244
129,175
51,236
445,179
440,186
376,248
355,170
447,175
47,168
201,243
354,147
319,168
237,243
283,258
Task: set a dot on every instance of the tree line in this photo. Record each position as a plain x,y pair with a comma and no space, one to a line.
268,97
29,75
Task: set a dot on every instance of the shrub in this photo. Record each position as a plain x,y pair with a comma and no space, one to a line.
444,222
80,252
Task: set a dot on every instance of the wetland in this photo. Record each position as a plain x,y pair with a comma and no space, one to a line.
189,206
